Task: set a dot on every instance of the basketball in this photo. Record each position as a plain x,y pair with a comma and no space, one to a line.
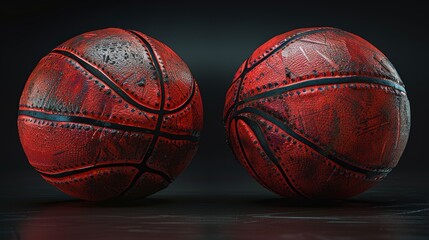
110,114
317,113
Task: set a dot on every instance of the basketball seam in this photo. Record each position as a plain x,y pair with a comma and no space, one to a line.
56,180
71,173
324,82
293,127
341,170
186,103
291,39
115,126
46,171
259,179
286,42
84,169
83,112
97,82
152,145
320,88
183,108
246,69
136,35
236,75
257,131
346,164
107,79
236,94
295,130
81,60
102,76
88,168
75,178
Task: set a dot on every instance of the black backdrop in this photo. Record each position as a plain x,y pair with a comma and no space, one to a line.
213,39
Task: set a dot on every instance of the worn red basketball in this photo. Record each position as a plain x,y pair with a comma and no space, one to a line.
110,114
317,113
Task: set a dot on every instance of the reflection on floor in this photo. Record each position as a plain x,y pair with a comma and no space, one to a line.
390,211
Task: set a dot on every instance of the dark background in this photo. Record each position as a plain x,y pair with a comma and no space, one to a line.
213,39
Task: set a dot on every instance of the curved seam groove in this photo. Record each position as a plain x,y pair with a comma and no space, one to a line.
95,167
284,44
85,169
159,173
259,135
325,81
370,174
105,79
185,104
246,158
151,147
103,124
146,44
234,105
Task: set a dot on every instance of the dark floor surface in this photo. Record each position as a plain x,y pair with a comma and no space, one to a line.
398,208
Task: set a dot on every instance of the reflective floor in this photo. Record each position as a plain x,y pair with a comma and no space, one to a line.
393,210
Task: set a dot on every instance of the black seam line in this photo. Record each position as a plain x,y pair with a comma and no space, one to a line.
161,84
244,68
157,172
158,69
86,169
105,79
325,81
151,147
260,136
186,103
92,168
245,156
286,42
98,123
233,106
248,69
109,82
152,54
369,173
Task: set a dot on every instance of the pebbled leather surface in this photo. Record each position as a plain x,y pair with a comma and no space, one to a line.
110,114
317,113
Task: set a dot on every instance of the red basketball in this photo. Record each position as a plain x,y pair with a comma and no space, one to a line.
317,113
110,114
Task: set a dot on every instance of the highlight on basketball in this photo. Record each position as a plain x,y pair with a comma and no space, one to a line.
110,114
317,113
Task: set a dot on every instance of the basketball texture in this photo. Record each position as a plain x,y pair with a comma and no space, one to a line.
317,113
110,114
